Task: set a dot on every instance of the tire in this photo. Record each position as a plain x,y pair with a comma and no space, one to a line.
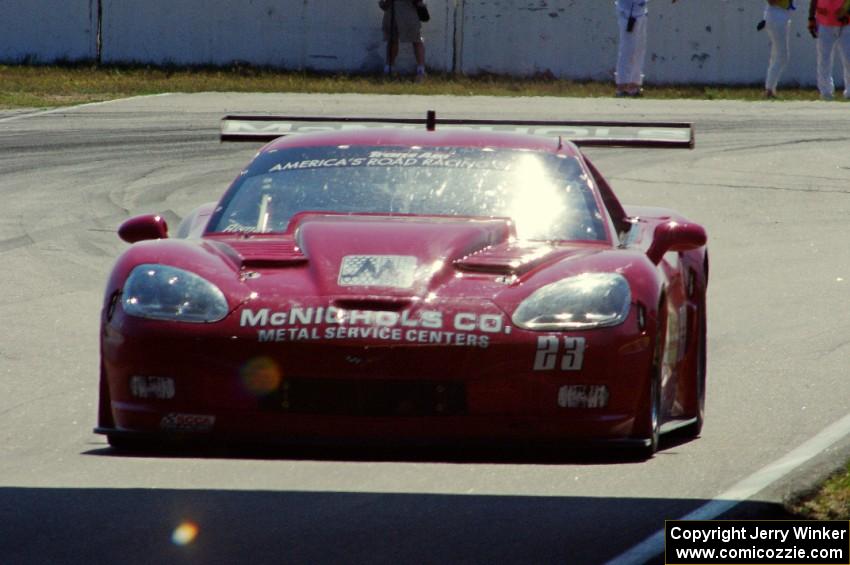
694,430
654,414
104,403
649,420
120,442
124,443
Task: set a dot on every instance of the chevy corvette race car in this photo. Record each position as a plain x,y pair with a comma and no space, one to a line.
376,280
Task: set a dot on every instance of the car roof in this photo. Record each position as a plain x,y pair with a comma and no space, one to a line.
405,137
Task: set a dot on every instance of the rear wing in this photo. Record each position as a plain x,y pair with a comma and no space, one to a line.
670,135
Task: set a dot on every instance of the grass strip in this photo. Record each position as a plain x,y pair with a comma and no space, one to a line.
831,500
37,86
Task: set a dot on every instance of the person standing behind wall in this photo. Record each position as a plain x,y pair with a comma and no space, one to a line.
828,21
777,20
401,23
631,51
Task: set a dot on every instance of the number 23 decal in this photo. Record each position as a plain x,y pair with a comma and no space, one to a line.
550,355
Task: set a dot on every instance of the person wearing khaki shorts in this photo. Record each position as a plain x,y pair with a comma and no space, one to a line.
407,29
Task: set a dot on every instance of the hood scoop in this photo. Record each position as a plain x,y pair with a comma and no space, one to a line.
262,252
514,258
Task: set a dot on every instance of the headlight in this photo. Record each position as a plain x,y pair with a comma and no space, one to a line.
161,292
591,300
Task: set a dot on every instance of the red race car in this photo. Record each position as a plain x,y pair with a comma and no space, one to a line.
380,281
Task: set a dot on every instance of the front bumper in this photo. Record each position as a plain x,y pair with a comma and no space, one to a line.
402,436
228,384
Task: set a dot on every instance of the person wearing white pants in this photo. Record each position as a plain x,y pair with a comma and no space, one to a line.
777,19
631,51
828,23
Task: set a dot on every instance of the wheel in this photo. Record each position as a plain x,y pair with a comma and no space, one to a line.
649,421
694,430
654,414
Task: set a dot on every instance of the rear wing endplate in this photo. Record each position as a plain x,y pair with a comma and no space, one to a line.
671,135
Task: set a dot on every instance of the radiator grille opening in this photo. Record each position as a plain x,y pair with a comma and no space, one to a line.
347,397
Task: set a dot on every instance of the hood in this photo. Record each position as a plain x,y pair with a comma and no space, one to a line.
388,259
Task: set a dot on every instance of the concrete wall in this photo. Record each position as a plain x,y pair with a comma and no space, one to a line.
325,35
48,30
721,44
703,41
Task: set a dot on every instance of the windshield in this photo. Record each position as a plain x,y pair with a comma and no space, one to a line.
547,196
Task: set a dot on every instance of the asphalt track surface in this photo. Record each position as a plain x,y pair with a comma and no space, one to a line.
770,181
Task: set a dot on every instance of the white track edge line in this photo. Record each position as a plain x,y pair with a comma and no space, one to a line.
78,106
654,545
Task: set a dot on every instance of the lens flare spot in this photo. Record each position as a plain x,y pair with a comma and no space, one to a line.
184,534
261,375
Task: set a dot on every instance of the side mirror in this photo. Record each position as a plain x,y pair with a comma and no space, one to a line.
140,228
675,236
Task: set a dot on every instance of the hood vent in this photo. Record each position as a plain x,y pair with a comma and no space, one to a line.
374,303
513,258
263,253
